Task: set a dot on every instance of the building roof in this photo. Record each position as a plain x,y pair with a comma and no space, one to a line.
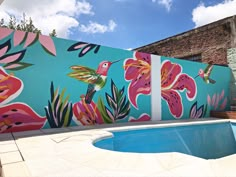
193,31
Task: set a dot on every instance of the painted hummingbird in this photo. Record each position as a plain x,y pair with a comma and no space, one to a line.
205,74
96,79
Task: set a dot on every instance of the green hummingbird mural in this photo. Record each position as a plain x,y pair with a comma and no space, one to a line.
205,74
96,79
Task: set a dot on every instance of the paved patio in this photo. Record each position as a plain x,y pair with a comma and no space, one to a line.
69,152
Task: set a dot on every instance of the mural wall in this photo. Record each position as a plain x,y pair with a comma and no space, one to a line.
51,82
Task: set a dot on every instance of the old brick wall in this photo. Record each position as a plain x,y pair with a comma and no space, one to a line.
211,41
231,56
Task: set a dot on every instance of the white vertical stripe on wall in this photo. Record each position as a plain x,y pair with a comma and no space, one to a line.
155,87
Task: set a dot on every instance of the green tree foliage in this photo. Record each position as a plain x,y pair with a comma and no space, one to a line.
24,25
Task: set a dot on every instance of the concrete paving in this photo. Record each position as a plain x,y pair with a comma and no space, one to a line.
69,152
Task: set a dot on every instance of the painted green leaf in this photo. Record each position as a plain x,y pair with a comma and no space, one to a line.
102,110
120,108
59,111
16,66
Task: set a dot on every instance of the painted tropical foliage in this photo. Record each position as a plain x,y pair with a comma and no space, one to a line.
59,110
51,83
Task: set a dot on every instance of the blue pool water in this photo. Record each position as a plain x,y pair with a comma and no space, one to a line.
208,141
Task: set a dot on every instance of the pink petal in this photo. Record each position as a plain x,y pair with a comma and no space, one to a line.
144,57
4,32
193,111
223,105
138,71
87,48
12,57
217,101
131,69
213,100
199,112
18,37
143,117
209,100
98,116
3,50
48,44
87,113
31,37
80,46
12,66
222,94
110,115
169,72
141,85
174,102
186,82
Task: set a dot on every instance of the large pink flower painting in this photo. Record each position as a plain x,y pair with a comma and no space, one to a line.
174,81
138,71
87,114
15,116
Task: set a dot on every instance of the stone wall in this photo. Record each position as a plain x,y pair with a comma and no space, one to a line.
231,57
211,41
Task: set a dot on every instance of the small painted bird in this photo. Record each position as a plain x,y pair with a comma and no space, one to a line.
96,79
205,74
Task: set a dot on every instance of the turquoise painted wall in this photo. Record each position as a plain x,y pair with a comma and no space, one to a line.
204,94
50,82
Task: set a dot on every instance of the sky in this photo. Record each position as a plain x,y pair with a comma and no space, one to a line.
125,24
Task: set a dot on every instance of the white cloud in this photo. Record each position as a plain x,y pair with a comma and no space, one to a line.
94,27
166,3
62,15
206,14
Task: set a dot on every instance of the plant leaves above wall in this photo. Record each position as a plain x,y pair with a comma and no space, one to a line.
59,111
4,32
84,48
29,38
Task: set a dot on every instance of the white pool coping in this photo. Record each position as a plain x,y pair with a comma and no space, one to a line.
70,152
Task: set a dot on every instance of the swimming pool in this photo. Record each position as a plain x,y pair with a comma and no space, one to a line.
208,141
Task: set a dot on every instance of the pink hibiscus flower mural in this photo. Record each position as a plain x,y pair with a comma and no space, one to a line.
19,117
137,70
10,87
15,116
87,114
174,81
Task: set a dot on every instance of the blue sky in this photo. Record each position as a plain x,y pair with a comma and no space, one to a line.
119,23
